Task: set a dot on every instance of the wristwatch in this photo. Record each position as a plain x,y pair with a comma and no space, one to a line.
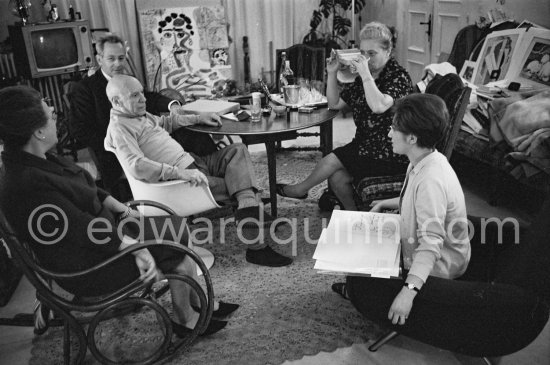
411,287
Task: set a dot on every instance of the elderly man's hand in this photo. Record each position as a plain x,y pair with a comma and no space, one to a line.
194,176
210,119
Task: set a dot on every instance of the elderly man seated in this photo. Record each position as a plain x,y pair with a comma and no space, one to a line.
145,148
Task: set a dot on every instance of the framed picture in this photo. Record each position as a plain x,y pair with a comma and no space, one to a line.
496,59
185,45
535,60
468,71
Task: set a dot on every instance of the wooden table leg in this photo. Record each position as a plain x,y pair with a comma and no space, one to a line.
326,137
272,174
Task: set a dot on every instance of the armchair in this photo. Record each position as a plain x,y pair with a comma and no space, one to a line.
133,296
499,306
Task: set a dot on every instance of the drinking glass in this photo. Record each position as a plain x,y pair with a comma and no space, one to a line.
256,108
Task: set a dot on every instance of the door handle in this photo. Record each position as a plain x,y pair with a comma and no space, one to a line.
429,23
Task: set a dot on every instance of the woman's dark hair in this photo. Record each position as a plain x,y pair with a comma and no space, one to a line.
21,113
424,115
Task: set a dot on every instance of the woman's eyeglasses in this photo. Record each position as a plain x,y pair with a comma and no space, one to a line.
49,103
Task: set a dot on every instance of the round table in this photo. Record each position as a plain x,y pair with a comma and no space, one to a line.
271,129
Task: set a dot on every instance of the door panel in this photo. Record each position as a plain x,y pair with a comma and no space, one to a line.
418,47
449,17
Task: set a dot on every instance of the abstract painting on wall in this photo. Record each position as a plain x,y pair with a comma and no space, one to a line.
185,49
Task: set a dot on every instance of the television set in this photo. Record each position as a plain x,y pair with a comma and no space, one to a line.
46,49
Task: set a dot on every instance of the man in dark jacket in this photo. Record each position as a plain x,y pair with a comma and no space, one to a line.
90,109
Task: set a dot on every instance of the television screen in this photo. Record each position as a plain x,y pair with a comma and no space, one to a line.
54,48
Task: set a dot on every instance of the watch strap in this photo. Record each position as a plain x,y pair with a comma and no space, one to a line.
411,287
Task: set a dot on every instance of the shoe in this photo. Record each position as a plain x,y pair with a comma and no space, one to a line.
340,288
223,310
267,257
281,192
254,213
214,326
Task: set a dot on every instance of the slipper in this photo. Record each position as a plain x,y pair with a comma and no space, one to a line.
224,309
281,192
340,288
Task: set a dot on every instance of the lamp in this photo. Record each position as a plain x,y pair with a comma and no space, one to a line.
20,8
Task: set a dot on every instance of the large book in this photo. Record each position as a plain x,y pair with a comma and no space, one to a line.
219,107
360,243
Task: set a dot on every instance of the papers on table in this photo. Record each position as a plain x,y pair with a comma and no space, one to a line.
360,243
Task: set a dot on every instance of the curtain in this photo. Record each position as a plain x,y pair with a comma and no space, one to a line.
275,23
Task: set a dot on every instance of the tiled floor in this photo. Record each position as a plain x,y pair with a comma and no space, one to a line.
15,343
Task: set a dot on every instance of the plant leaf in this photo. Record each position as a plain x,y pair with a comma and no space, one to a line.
316,19
341,25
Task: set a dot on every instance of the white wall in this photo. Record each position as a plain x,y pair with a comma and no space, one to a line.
391,12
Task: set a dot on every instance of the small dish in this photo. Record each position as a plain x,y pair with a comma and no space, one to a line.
279,109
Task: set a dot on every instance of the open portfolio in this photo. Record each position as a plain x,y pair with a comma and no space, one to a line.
360,243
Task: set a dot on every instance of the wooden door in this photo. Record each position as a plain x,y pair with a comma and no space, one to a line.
431,27
417,37
449,17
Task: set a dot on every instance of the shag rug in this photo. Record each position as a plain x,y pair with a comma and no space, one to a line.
285,314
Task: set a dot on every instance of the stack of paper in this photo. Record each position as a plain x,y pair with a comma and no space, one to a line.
360,243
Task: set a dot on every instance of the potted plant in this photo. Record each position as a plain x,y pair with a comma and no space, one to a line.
331,15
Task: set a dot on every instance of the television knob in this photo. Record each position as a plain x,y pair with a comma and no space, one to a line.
83,29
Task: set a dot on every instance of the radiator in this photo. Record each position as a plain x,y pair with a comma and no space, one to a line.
7,66
50,87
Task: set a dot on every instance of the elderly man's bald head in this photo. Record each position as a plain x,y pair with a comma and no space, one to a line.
126,95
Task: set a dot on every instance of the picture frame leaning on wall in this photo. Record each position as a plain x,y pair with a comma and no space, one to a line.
534,59
498,56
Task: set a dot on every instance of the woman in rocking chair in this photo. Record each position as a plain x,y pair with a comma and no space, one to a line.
47,195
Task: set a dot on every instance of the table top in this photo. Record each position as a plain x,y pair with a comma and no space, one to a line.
271,124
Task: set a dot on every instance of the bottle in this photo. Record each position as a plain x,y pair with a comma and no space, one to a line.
289,74
282,79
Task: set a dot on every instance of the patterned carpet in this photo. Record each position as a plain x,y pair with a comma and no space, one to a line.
285,313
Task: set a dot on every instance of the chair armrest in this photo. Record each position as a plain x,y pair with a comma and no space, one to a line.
150,203
136,247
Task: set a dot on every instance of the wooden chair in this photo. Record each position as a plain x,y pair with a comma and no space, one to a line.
305,61
133,296
456,96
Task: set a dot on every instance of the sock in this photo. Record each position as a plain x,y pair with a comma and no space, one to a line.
246,198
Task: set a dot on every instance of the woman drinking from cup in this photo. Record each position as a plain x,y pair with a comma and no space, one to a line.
379,81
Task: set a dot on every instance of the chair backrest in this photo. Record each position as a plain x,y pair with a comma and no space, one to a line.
456,96
184,198
27,261
305,61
